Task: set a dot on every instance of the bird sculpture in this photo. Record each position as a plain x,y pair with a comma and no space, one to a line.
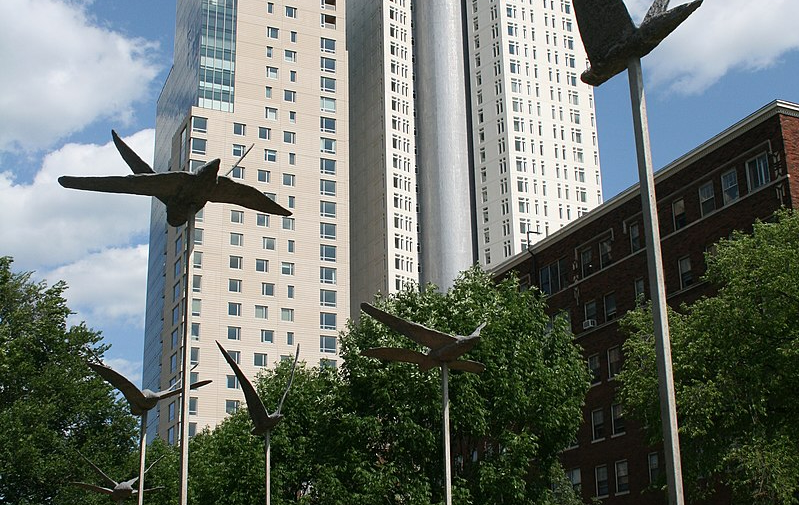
611,38
118,491
140,401
444,348
262,420
183,193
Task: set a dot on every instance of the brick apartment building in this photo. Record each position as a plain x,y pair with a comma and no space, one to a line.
594,268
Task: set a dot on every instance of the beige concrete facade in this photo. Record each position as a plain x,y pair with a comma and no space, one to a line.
258,284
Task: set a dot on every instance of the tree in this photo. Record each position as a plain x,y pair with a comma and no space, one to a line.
735,360
370,432
51,404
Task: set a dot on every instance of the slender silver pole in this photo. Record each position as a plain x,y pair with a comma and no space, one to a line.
184,367
657,287
142,455
447,465
268,455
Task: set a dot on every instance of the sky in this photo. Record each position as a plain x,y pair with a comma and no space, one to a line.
75,69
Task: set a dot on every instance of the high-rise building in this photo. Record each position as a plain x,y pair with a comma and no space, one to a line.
272,75
534,162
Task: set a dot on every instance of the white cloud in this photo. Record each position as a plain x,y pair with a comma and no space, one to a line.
721,37
63,72
47,226
106,287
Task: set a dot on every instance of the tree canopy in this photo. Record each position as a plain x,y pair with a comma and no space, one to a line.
370,432
51,404
736,373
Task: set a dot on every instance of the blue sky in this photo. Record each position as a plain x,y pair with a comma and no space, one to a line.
77,68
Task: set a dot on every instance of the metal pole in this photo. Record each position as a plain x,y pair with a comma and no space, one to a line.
142,455
447,466
668,409
184,367
268,454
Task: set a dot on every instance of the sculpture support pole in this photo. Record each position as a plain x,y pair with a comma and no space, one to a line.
184,367
447,465
657,287
142,455
268,457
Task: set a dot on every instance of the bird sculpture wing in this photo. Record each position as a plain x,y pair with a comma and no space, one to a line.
396,354
658,7
418,333
92,487
230,191
466,365
291,378
476,332
161,186
136,164
132,394
255,406
172,392
603,24
108,480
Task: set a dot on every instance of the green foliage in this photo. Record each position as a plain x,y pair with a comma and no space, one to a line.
370,432
735,361
51,403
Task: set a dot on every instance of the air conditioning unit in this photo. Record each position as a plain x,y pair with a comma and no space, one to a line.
589,323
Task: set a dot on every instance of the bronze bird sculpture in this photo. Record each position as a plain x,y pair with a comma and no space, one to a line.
262,420
181,192
140,401
444,348
118,491
611,38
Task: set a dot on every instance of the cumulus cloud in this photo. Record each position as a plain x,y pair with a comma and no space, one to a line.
47,226
722,36
63,72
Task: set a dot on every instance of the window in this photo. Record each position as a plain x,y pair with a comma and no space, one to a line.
586,262
171,415
198,146
239,129
197,260
233,309
654,467
605,256
327,275
288,179
729,186
271,73
327,167
264,176
590,314
287,315
193,406
199,124
289,95
286,268
270,155
261,265
594,368
269,243
327,64
614,361
237,172
686,275
327,45
288,223
554,277
261,312
272,32
264,133
618,418
198,240
289,137
290,56
234,285
196,283
327,104
622,477
267,336
757,173
195,331
196,306
597,424
291,12
327,252
236,239
327,188
231,406
327,321
267,289
576,479
327,231
678,212
289,339
270,113
327,84
610,306
327,209
707,200
262,219
327,344
327,124
233,333
327,298
236,216
293,36
639,287
289,291
232,381
635,237
601,474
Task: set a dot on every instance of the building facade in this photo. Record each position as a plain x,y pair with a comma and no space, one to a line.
594,269
533,165
270,76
